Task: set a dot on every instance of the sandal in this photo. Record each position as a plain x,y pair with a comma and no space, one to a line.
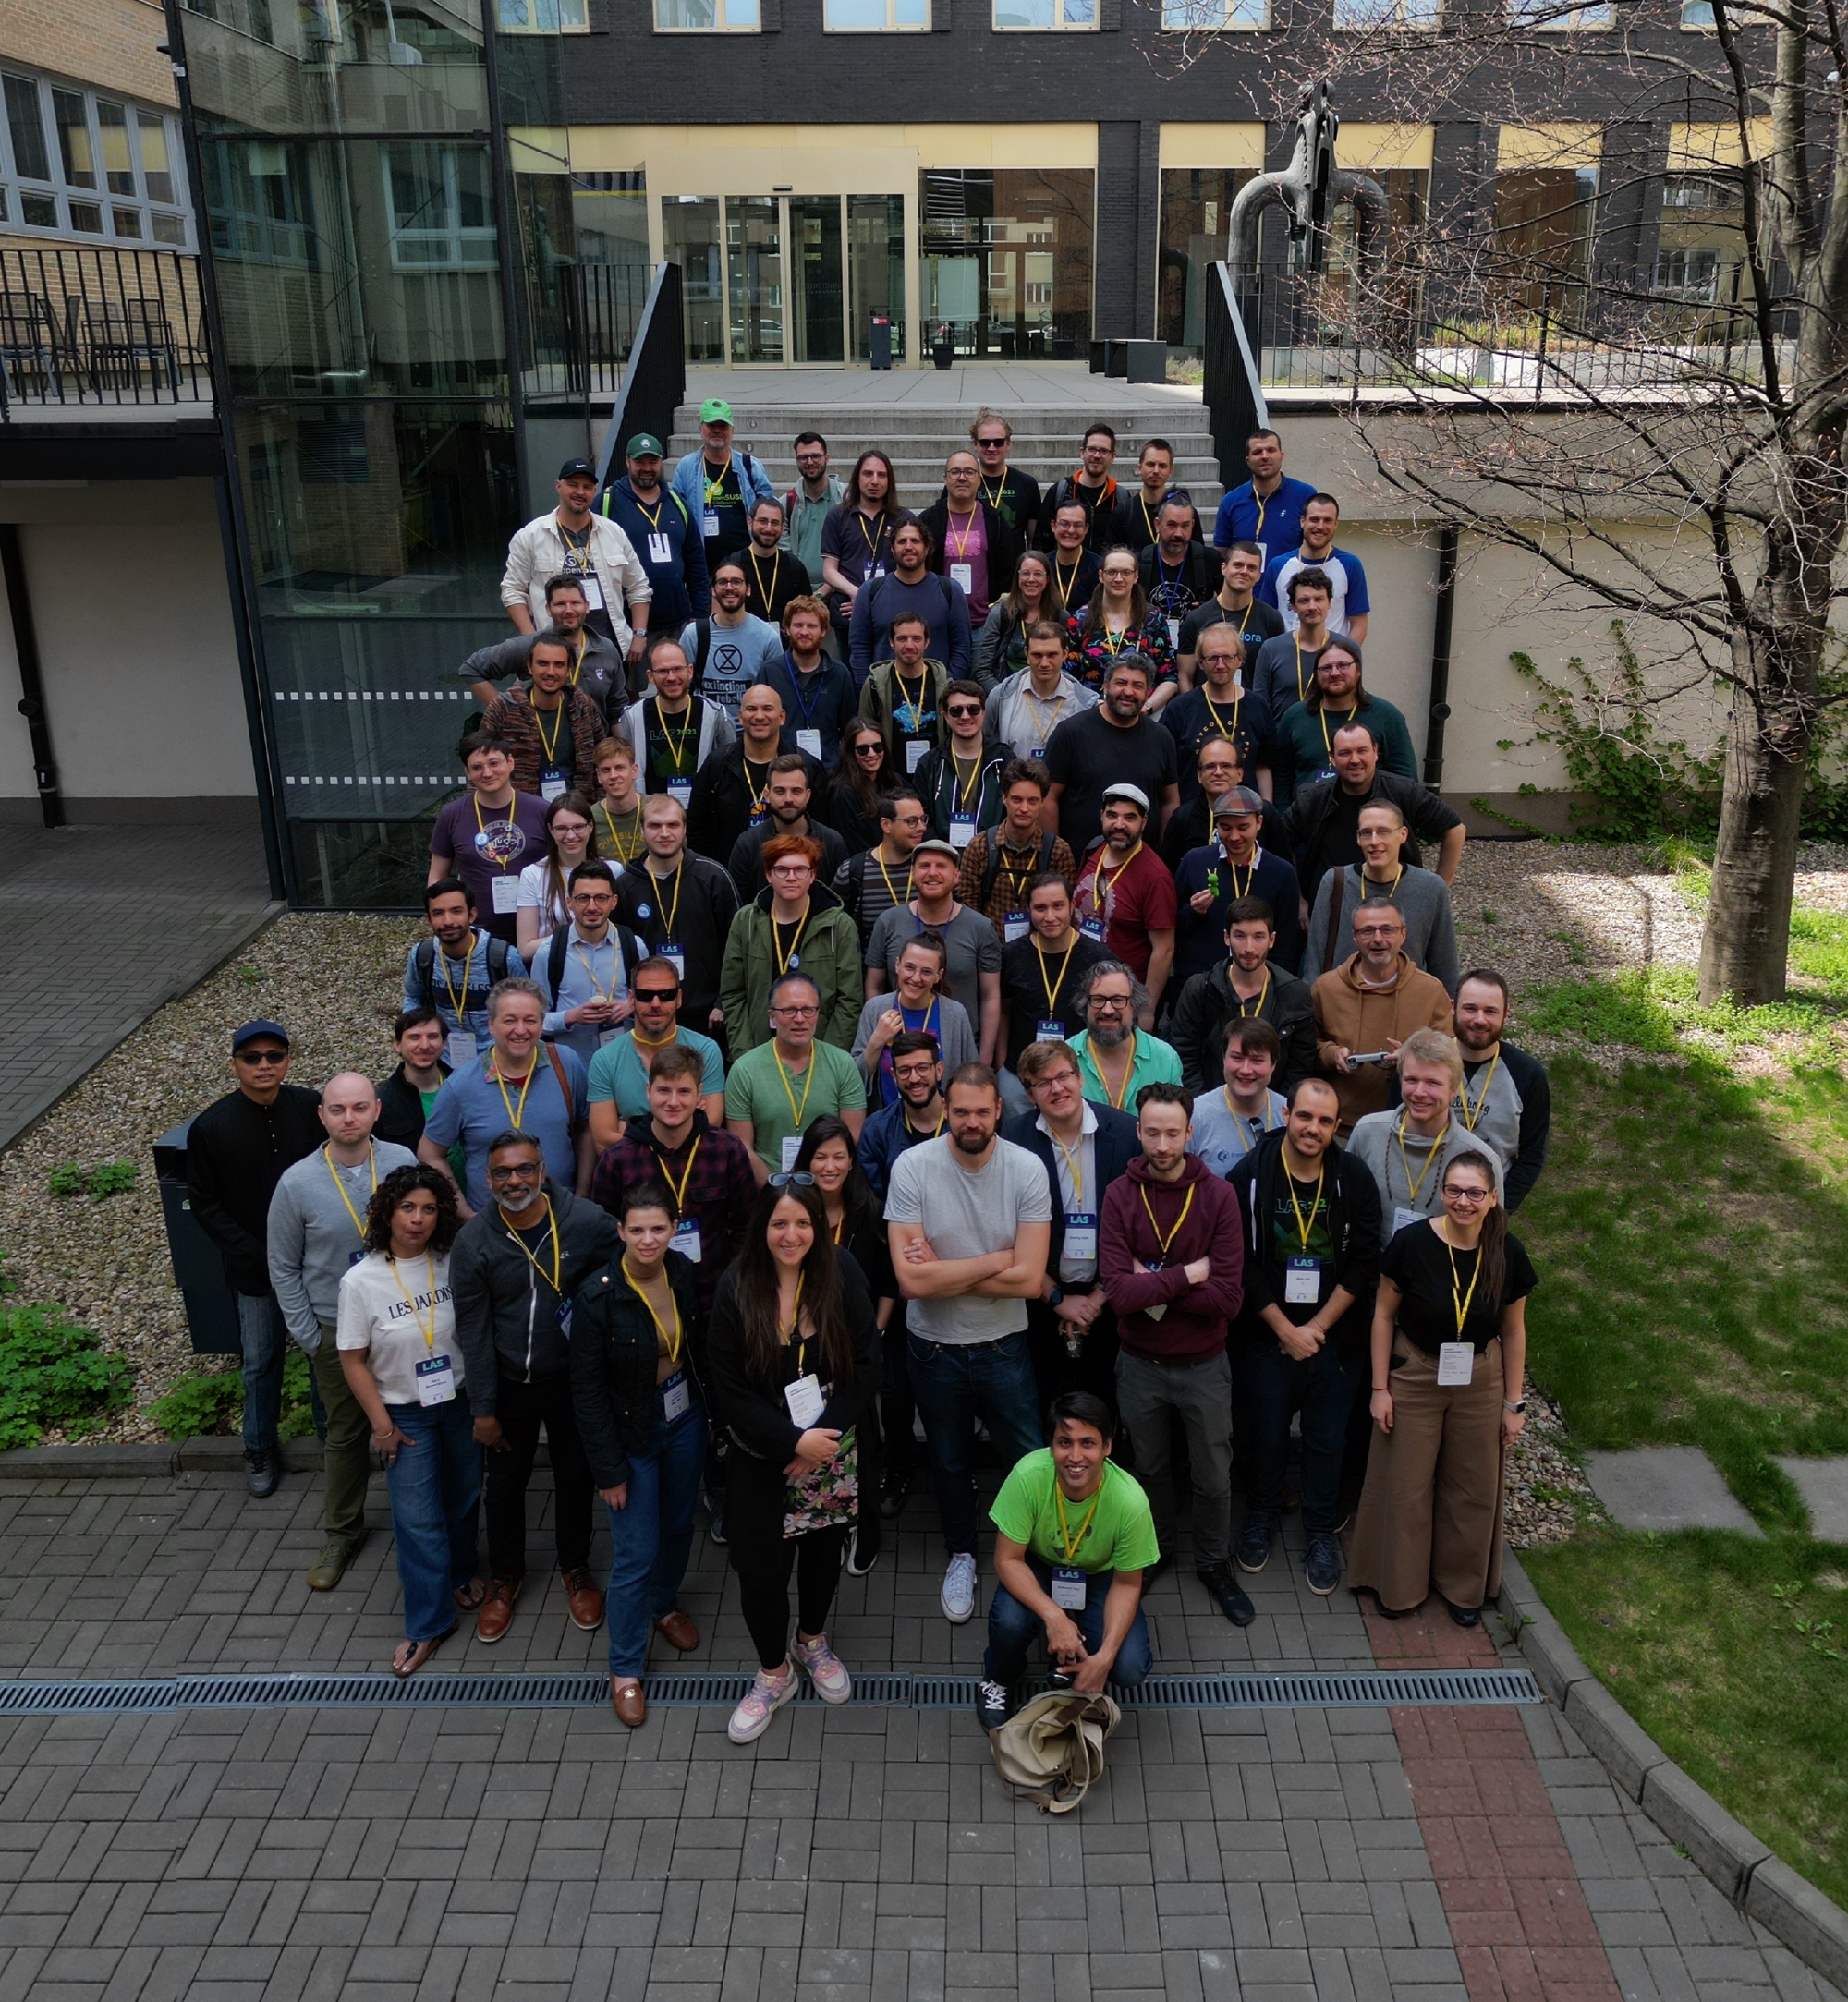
471,1595
408,1657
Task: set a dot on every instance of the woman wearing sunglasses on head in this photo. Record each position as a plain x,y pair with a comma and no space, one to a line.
1449,1350
793,1349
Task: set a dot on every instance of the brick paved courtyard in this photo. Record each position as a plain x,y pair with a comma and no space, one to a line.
1344,1855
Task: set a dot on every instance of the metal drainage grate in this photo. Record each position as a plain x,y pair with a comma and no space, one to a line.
1397,1689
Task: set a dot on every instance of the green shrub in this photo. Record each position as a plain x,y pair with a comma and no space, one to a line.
106,1178
67,1180
54,1375
212,1402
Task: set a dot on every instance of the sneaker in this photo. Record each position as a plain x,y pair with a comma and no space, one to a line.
763,1699
263,1470
1254,1543
892,1493
958,1595
716,1528
992,1705
1321,1564
832,1683
858,1566
1235,1602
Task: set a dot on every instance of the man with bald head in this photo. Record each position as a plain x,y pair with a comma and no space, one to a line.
317,1229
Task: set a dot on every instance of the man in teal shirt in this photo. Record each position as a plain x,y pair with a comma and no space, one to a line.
1074,1536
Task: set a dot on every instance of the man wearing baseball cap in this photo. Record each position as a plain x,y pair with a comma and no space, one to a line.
721,487
664,532
237,1151
1125,897
573,541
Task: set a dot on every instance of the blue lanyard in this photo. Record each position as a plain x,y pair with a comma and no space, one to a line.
796,680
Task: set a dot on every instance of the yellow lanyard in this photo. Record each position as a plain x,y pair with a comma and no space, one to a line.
904,700
1015,877
1258,1007
715,488
1039,722
1147,519
671,916
994,498
1101,893
557,1250
1212,716
962,548
1114,642
459,1008
1241,1123
1303,1228
756,797
1075,1166
372,1160
1071,1543
676,744
624,853
673,1340
581,550
873,542
531,1070
680,1187
963,791
429,1333
912,1130
1412,1187
1116,1098
896,899
768,596
788,1334
799,1113
1052,987
1065,583
550,745
1166,1243
1469,1118
782,958
1459,1299
654,521
590,974
1262,504
1300,671
578,664
481,826
1390,894
1250,878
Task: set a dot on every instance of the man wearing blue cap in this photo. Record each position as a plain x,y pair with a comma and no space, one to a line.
573,541
664,532
721,487
237,1151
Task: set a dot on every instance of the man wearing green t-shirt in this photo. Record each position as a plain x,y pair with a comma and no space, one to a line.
772,1093
1073,1536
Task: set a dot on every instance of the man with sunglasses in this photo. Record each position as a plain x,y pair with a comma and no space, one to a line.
1013,494
775,1089
960,780
237,1150
621,1069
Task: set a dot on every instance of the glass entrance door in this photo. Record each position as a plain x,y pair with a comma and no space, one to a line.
816,295
754,278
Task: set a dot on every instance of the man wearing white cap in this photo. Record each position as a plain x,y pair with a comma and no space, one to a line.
719,486
1125,897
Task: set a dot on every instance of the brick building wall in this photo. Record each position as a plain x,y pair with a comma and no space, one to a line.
111,43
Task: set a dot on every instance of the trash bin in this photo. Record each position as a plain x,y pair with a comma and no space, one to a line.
943,347
197,1264
882,341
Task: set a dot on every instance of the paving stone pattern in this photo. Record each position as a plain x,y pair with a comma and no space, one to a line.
1226,1857
174,900
1666,1488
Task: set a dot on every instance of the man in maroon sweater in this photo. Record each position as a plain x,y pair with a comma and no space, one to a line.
1171,1258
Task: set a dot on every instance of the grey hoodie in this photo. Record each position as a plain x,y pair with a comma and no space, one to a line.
313,1238
1423,898
1404,1172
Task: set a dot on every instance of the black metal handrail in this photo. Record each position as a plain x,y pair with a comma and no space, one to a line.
654,382
97,324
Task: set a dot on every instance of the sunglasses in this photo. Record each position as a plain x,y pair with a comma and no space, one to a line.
262,1056
797,1178
991,444
662,994
869,750
965,709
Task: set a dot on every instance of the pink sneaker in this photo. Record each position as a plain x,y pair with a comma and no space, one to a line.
832,1683
765,1697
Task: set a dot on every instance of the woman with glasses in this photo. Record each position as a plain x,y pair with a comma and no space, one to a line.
860,780
1449,1350
1000,646
1117,620
396,1337
544,887
792,1347
635,1384
921,1004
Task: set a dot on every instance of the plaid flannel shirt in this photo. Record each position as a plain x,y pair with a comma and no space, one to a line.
721,1191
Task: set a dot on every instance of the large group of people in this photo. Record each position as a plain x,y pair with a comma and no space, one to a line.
900,978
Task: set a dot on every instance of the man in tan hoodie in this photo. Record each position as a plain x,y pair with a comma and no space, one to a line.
1368,1005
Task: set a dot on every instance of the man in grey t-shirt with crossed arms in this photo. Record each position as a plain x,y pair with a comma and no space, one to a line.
970,1219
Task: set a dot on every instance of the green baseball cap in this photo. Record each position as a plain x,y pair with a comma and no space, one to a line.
715,410
645,445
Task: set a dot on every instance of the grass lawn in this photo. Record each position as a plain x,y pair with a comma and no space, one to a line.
1691,1232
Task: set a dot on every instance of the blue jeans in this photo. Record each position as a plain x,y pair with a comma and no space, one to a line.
265,1338
651,1538
435,1487
1012,1629
952,1386
1270,1386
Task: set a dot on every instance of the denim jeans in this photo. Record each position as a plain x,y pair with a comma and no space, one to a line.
652,1537
1270,1386
953,1385
265,1338
1012,1629
435,1487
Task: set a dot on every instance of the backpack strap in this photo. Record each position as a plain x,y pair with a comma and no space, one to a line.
702,646
423,964
497,959
1335,901
554,958
564,1086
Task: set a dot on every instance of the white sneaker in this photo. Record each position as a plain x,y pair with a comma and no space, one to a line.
958,1595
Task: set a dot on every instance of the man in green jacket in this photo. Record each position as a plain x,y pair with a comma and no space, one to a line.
794,925
902,698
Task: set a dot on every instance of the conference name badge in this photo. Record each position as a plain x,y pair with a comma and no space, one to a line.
1302,1281
1070,1586
435,1381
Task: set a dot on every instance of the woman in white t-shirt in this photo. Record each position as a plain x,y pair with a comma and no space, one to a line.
545,887
396,1337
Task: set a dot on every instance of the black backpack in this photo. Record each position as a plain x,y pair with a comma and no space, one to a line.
991,866
628,950
424,964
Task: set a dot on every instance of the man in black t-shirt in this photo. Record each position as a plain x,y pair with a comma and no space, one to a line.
1113,744
775,574
1233,605
1042,975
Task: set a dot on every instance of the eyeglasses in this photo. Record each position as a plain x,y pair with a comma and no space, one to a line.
261,1056
914,1073
1471,1197
665,995
964,708
795,1178
528,1171
796,1014
1110,1001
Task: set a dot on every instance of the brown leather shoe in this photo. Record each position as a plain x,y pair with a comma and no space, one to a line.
628,1701
497,1610
677,1628
586,1601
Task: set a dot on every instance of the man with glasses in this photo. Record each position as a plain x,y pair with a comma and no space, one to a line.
788,799
961,779
1075,567
1215,706
237,1151
793,924
968,1219
734,648
1012,493
1115,1056
621,1069
919,1114
774,571
779,1086
680,906
728,795
808,503
871,883
514,1269
589,966
1092,488
974,546
1368,1006
673,732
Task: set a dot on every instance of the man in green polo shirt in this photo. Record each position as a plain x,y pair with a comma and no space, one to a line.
1074,1538
772,1092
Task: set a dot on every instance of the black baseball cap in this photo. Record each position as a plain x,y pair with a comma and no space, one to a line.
576,470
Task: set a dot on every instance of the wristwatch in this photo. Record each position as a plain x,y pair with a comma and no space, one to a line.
1520,1407
1057,1297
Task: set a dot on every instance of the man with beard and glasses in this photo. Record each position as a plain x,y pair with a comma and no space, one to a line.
1115,1056
916,1115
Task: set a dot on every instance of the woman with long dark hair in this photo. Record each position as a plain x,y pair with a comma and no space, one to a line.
635,1383
1449,1353
860,780
1117,620
1000,646
792,1350
856,536
396,1333
545,887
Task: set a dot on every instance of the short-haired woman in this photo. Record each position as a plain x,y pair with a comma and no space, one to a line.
1449,1349
396,1337
793,1349
635,1383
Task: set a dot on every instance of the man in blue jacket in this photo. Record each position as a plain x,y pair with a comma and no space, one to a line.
721,487
660,525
